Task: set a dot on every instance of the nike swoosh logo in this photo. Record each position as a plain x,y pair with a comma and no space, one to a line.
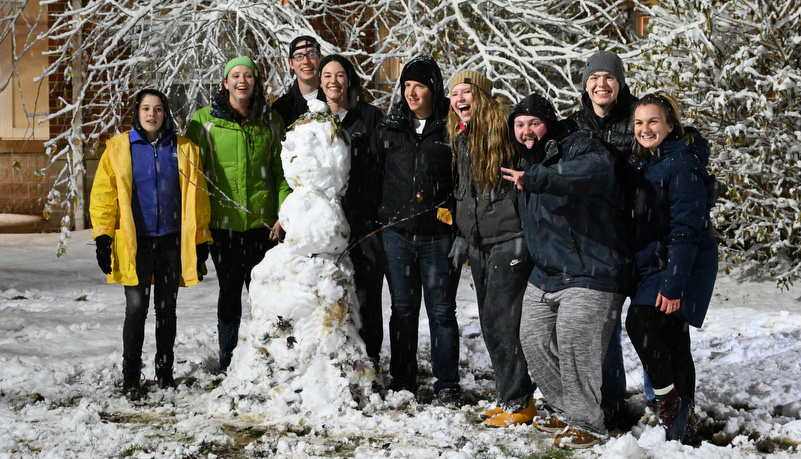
514,262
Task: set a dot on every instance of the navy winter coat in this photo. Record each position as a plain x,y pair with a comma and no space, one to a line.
570,207
676,250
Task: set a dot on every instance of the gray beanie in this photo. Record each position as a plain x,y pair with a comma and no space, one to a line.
604,61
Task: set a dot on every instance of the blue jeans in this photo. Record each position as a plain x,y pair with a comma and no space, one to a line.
418,267
613,389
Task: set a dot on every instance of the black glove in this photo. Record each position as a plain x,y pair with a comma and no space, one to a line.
372,249
103,253
458,252
202,256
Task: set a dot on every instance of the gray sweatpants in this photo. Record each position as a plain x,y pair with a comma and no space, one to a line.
564,336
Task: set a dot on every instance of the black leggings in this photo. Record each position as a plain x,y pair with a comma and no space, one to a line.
663,343
157,259
235,254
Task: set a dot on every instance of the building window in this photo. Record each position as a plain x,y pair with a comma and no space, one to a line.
640,18
24,101
389,72
641,24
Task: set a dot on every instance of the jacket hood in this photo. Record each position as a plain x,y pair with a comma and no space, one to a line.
700,145
221,109
424,67
167,127
539,106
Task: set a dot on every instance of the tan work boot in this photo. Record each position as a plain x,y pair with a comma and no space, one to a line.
523,416
488,413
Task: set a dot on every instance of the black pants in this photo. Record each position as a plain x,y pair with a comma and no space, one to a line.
369,280
663,343
235,254
500,274
158,260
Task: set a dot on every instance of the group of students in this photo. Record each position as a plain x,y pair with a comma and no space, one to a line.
560,220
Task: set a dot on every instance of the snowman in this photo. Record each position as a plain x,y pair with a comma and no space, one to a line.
300,352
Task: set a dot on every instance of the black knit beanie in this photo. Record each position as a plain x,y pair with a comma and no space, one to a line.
419,72
535,105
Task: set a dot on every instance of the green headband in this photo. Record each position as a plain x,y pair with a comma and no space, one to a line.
241,60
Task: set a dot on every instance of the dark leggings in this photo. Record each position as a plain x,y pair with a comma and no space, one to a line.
157,259
235,254
663,343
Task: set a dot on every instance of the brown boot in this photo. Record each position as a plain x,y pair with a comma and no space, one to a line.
575,439
488,413
550,425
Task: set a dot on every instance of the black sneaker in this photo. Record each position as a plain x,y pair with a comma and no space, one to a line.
450,397
398,386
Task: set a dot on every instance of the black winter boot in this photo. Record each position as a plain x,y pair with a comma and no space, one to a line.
130,380
164,372
228,335
690,436
683,428
667,408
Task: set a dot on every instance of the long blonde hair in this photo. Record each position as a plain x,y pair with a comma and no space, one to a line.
489,142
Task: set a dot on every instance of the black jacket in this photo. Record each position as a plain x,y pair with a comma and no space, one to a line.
615,130
416,168
292,104
484,218
363,196
616,133
570,211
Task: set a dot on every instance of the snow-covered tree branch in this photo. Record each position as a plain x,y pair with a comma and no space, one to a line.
733,64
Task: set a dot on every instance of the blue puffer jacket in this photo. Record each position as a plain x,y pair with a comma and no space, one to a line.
676,250
570,207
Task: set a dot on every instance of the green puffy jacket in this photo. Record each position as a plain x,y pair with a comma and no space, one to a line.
243,167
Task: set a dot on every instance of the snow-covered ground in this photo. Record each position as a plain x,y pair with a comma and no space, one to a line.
60,355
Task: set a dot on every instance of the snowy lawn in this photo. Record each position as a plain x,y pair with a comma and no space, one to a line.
60,354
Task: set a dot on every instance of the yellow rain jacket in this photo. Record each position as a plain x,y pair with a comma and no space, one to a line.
110,208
